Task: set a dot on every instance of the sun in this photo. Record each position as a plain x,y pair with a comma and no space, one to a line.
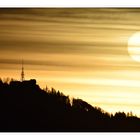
134,46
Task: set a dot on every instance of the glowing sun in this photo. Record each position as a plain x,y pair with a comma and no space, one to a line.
134,46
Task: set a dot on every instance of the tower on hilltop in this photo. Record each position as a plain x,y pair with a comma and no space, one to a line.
22,73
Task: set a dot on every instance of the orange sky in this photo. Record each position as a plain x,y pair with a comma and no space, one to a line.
81,52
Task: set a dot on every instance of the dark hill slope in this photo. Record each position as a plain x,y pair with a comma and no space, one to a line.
24,107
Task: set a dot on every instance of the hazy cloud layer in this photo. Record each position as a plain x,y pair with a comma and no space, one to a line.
78,51
86,37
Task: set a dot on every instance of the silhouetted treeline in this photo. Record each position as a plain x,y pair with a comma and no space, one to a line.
25,107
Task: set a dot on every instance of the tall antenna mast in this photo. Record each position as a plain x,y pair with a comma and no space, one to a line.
22,73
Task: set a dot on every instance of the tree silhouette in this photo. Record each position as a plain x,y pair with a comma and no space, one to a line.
25,107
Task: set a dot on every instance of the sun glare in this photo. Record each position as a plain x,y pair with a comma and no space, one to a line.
134,46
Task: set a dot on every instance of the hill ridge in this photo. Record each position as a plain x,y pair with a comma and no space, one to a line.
25,107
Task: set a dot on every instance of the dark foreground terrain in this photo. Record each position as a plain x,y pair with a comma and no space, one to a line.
24,107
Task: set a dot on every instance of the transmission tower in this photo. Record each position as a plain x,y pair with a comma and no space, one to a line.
22,73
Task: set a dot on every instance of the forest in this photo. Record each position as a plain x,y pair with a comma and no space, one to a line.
25,107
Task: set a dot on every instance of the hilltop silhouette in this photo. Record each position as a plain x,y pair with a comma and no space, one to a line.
25,107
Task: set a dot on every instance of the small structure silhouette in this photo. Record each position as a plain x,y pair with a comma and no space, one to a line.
22,73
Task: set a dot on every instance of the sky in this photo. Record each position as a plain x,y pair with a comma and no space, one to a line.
82,52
